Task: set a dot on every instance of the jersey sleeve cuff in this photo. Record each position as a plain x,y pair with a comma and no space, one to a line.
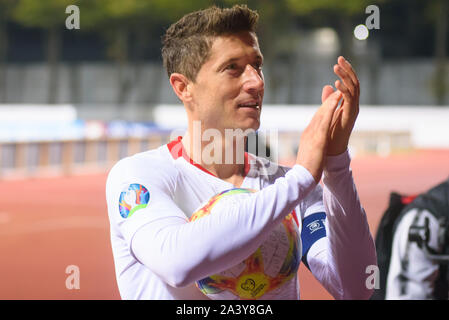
338,162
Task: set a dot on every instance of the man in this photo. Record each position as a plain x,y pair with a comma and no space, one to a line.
419,260
215,68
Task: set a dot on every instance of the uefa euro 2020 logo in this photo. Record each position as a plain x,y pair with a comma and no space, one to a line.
135,197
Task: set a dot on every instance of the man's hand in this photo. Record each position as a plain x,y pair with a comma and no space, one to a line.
344,118
314,139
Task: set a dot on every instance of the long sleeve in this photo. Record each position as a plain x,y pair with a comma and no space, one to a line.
179,252
340,260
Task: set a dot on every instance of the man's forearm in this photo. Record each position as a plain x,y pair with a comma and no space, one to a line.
352,247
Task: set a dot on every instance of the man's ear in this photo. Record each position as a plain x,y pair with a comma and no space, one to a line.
180,85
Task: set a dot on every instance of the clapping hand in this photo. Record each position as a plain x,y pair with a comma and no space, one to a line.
345,116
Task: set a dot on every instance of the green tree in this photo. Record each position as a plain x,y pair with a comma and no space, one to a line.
6,8
341,15
49,15
438,12
128,23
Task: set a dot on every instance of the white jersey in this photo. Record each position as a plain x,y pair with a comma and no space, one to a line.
159,255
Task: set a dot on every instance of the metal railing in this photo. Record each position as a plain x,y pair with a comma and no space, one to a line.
42,158
68,157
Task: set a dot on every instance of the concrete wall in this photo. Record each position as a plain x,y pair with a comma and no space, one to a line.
404,82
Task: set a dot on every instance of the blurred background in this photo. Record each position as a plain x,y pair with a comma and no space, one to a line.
74,99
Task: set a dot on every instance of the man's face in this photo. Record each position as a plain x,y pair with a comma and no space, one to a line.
229,87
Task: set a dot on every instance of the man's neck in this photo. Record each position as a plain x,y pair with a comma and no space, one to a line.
220,156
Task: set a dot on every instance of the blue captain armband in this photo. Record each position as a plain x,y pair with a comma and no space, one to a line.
313,229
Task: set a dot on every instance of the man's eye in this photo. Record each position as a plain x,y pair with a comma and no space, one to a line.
232,66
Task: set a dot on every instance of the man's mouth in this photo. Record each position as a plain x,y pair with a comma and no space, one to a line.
250,104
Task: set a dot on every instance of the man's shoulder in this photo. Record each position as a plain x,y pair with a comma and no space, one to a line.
153,163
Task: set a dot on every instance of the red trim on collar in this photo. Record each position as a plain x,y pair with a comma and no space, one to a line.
246,165
177,150
295,217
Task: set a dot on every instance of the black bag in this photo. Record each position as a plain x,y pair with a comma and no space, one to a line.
436,201
384,239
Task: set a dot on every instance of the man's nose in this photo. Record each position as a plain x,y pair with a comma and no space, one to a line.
253,79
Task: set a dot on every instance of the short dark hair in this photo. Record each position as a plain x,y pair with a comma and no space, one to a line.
186,44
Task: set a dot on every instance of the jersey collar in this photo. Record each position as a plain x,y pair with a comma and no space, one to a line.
177,150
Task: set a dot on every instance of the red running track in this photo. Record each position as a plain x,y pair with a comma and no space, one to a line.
49,224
